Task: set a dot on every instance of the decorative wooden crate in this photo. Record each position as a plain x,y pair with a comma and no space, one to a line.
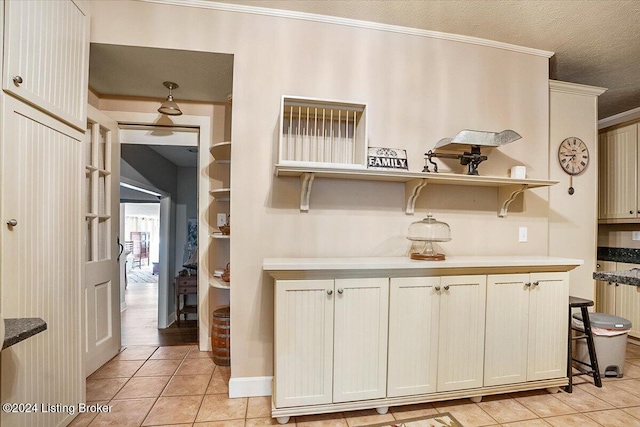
317,132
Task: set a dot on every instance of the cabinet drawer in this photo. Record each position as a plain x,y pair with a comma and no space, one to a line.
186,286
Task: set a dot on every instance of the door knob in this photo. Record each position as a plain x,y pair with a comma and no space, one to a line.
12,223
527,284
437,288
446,288
17,80
340,291
329,291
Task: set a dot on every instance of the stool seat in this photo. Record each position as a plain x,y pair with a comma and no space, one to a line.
587,334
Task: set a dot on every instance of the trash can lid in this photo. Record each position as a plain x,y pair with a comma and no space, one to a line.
606,321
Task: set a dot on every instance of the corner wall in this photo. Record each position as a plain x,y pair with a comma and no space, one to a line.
418,90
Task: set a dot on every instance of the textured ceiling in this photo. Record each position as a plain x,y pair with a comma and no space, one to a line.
596,42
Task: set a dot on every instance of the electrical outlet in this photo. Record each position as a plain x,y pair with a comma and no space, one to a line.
635,235
522,234
221,219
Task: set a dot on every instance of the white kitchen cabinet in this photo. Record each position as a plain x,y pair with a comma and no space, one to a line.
627,301
526,327
618,175
436,334
606,291
330,340
46,57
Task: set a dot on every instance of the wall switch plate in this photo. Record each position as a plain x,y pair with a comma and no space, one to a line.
522,234
635,235
221,219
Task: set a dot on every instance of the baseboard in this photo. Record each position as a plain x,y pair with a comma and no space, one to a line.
250,386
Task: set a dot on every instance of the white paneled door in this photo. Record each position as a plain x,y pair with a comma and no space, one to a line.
101,249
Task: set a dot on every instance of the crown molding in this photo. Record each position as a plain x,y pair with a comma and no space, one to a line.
626,116
278,13
575,88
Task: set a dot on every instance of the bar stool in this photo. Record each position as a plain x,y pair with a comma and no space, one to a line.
587,334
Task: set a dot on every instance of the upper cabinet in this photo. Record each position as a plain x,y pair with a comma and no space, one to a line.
618,175
46,57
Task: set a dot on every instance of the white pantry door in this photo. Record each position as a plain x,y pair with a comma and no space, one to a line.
102,210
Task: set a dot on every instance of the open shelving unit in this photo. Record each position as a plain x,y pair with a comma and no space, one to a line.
508,188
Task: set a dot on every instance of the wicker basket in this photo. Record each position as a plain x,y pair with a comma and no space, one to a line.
226,274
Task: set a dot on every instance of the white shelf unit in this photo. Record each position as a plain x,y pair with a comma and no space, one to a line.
508,188
219,236
221,194
221,152
218,283
322,132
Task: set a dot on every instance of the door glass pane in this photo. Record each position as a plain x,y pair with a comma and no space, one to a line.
102,149
88,242
87,191
87,145
103,239
102,195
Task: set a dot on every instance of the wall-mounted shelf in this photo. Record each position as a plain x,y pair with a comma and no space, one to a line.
508,188
219,236
219,283
221,152
221,194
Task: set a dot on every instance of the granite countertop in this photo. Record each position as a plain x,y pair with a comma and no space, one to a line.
16,330
626,277
627,255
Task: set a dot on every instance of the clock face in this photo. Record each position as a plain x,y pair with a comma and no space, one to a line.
573,156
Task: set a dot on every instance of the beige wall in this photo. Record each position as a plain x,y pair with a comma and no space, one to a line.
418,90
573,219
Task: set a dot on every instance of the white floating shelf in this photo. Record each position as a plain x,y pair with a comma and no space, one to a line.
508,188
219,236
221,151
221,194
219,283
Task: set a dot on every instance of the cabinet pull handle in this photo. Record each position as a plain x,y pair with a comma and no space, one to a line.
446,288
437,288
340,291
17,80
527,284
329,291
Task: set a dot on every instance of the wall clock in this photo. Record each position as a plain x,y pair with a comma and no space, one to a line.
573,156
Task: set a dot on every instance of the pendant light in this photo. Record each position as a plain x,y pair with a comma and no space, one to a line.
169,107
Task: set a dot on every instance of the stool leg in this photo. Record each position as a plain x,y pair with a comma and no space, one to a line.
569,387
591,346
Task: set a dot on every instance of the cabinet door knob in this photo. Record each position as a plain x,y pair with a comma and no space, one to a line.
527,284
631,212
329,291
597,265
17,80
12,222
536,283
340,291
437,288
446,288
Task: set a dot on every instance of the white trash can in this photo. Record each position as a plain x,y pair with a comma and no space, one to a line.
610,339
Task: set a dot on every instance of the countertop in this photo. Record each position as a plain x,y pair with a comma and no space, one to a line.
405,263
627,255
626,277
16,330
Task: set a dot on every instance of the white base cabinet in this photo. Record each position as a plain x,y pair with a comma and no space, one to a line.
436,334
526,327
346,341
330,340
619,300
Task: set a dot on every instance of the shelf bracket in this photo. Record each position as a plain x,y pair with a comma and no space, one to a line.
411,192
503,191
306,180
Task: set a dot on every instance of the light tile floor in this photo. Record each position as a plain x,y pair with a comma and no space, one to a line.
182,387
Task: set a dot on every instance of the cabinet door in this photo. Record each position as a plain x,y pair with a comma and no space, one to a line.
41,261
360,339
605,291
46,57
548,325
628,301
618,180
461,332
506,329
413,336
303,342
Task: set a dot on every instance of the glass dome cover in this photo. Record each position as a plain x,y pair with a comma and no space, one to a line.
429,230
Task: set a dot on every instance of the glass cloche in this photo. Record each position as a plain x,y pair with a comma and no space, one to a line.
429,230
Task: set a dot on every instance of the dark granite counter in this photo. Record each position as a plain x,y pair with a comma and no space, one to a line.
628,255
16,330
627,277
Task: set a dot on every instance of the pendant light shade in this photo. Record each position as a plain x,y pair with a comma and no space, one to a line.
169,107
